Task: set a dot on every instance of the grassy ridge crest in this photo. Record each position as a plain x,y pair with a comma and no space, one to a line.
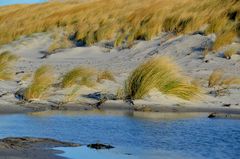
122,20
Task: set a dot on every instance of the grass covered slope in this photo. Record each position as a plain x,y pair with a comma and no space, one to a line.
122,20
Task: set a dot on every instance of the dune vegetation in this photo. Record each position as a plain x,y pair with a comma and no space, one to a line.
218,79
122,21
42,81
230,52
105,75
6,62
215,77
79,76
163,74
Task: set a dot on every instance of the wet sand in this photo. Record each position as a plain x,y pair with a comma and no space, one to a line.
31,148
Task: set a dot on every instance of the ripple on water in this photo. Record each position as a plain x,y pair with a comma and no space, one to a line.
187,138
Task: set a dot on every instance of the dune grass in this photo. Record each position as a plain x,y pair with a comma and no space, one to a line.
79,76
215,78
218,79
59,41
163,74
42,81
230,52
226,82
72,95
105,75
6,62
122,20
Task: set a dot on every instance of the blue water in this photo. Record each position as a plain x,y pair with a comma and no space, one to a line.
9,2
186,138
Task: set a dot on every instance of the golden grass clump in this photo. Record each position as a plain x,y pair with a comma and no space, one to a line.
60,41
6,61
229,52
215,78
79,76
224,39
105,75
230,81
42,80
121,20
163,74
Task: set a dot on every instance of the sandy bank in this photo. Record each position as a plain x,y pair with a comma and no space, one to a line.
31,148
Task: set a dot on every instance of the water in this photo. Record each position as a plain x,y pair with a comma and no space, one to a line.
198,138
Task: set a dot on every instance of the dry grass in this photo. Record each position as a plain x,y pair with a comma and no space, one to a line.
120,93
60,41
230,81
42,80
26,77
161,73
215,78
71,97
229,52
6,61
105,75
79,76
121,20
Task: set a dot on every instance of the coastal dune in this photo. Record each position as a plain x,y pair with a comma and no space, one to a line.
207,55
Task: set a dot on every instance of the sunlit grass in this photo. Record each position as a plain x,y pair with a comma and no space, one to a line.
229,53
105,75
71,97
218,79
59,41
6,61
122,20
79,76
42,81
230,81
163,74
215,78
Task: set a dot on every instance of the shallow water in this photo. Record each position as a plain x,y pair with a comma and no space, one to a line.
196,138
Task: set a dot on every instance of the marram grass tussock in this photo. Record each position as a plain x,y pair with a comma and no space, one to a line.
42,80
7,60
122,20
79,76
162,74
105,75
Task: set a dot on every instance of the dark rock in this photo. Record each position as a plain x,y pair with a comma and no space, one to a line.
226,105
20,94
129,100
20,72
100,96
199,32
212,115
4,94
98,146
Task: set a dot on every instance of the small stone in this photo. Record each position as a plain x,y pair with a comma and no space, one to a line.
98,146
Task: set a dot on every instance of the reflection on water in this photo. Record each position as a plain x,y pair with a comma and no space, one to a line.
124,153
188,138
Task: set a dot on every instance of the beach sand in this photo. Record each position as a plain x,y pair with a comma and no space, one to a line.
187,50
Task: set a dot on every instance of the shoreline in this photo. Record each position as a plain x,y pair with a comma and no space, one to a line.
32,148
112,107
